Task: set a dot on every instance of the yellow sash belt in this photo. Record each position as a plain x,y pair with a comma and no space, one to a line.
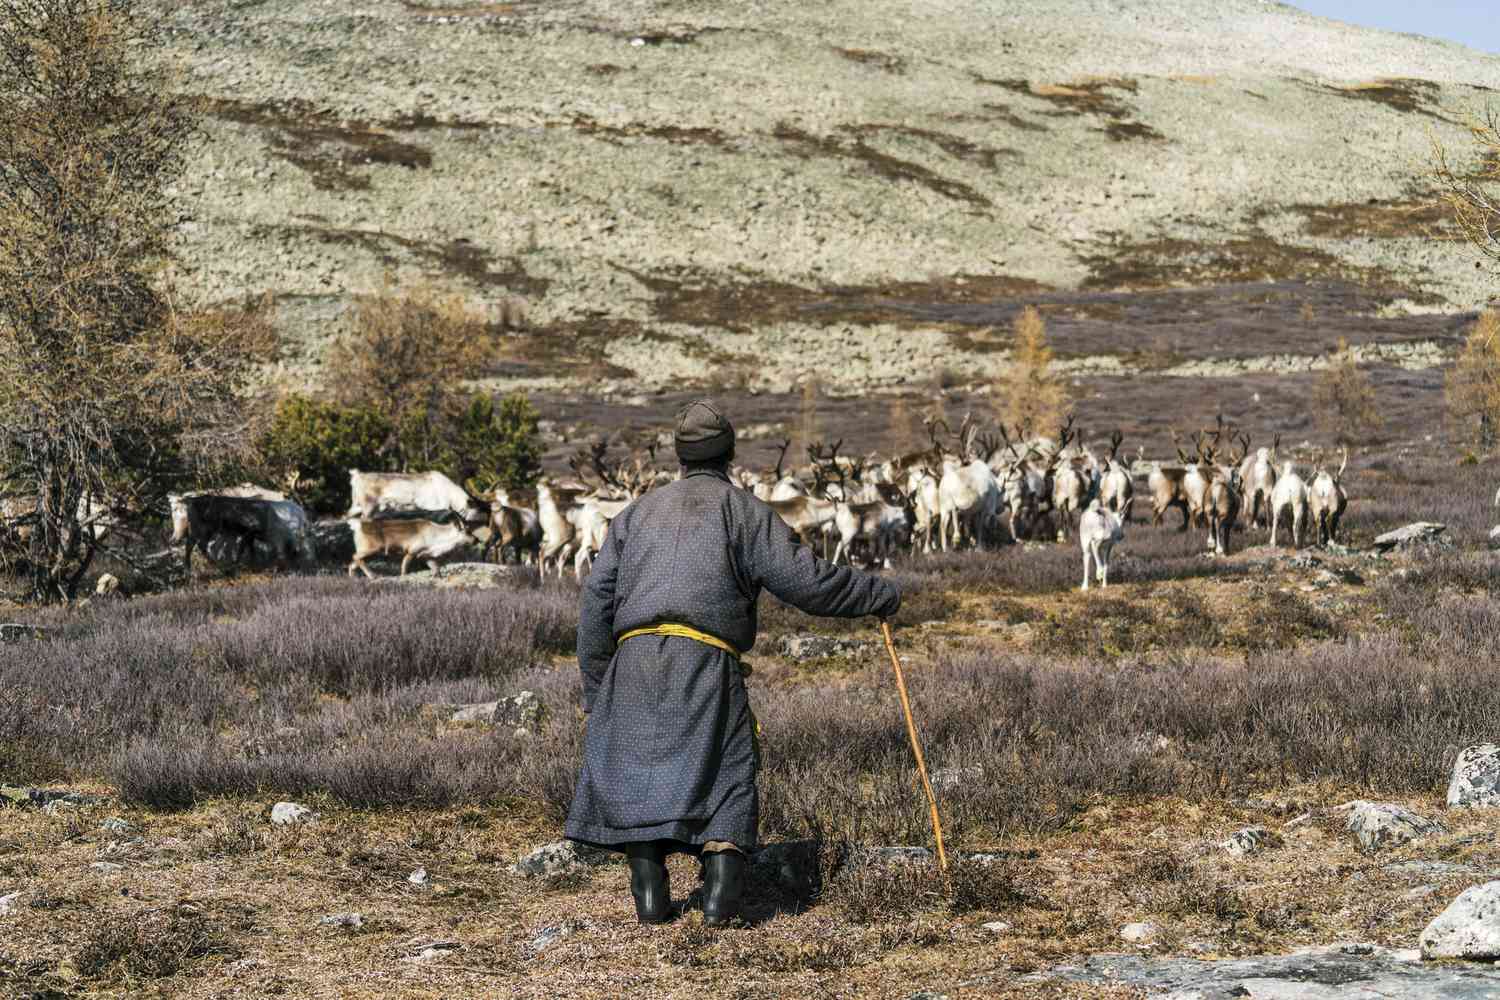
682,632
688,632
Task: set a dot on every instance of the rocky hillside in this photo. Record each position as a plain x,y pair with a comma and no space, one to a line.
742,194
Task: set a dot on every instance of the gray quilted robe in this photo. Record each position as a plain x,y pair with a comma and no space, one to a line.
669,751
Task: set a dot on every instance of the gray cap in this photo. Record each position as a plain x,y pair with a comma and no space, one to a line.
703,433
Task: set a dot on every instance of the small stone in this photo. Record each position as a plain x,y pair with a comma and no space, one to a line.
478,712
523,711
1495,537
115,824
1250,840
350,920
107,867
1385,824
561,856
418,877
107,584
809,646
1139,933
8,903
1468,929
291,813
549,936
996,927
1475,781
1420,532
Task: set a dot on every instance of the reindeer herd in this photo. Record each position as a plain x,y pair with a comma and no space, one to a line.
966,489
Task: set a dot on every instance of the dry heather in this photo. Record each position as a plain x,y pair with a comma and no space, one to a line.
1102,744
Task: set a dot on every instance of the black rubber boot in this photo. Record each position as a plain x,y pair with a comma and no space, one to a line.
648,882
723,884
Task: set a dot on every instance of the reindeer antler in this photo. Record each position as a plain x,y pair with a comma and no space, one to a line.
781,456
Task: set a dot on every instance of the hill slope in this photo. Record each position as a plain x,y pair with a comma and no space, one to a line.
739,194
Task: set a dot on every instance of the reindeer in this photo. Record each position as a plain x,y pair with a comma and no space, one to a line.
1073,483
1326,500
1023,486
781,486
1099,530
1168,489
968,493
1289,491
559,536
1116,487
1223,499
884,525
1194,479
512,527
1258,476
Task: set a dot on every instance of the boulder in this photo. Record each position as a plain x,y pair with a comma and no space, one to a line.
480,712
1475,781
811,647
291,813
1384,824
1250,840
1469,928
1417,533
522,711
1143,932
561,856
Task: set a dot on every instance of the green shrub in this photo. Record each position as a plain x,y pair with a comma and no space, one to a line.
497,446
320,442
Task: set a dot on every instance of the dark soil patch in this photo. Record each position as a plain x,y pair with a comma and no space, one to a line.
573,349
955,146
697,298
676,134
805,145
869,57
1387,219
456,257
1003,113
604,69
1088,97
464,9
1123,131
1254,257
1403,94
330,151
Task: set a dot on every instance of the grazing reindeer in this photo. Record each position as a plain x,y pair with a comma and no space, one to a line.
1072,483
1116,488
559,537
968,494
782,486
1194,479
884,525
1168,488
1021,484
1289,491
1258,476
1223,500
1099,530
512,527
1326,501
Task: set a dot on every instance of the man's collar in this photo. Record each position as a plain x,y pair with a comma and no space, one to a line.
716,473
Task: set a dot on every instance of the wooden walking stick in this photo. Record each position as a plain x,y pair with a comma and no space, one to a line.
916,746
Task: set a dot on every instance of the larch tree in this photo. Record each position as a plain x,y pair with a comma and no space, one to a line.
1346,398
110,394
1473,383
1033,397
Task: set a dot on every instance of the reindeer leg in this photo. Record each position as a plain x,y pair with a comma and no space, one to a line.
1086,573
405,562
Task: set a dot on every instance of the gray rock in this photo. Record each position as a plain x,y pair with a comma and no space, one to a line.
350,920
480,712
418,877
561,856
1143,932
1469,928
107,867
810,647
549,936
106,585
1250,840
948,778
291,813
996,927
1475,781
8,903
1340,972
1417,533
1495,537
520,711
115,824
1384,824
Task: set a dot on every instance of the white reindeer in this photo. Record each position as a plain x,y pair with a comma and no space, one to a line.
1099,530
1289,491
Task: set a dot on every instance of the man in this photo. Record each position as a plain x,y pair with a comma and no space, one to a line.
670,758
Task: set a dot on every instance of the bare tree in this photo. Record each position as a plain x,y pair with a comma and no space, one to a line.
108,393
1346,397
1472,194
